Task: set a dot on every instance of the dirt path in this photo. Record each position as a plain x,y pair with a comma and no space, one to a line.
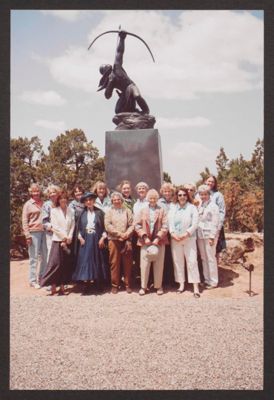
234,280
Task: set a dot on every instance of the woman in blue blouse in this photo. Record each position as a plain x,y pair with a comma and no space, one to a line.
183,223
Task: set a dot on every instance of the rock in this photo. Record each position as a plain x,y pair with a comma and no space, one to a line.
236,248
129,120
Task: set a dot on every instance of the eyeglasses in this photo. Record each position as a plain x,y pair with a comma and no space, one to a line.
182,194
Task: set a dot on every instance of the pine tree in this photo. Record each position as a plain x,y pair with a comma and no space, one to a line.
222,163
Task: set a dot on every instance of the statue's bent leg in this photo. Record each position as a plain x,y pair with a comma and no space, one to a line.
142,104
139,99
120,105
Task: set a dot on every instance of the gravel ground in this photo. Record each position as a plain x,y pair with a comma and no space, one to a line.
131,342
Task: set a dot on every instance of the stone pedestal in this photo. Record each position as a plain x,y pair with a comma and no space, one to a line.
134,155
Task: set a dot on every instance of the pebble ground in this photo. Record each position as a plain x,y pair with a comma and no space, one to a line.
126,341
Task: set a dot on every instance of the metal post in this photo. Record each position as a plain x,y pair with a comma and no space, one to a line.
250,282
249,268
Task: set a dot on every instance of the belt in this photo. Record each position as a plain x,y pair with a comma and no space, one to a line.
90,230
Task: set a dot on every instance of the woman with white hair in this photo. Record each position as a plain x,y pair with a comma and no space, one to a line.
119,226
141,189
208,227
151,226
35,234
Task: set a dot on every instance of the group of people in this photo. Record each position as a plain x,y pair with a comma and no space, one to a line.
103,239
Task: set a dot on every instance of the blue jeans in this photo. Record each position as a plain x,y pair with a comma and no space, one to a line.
37,247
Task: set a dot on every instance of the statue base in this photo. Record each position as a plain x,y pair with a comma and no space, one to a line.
133,120
134,155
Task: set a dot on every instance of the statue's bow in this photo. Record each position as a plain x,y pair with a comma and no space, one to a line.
128,33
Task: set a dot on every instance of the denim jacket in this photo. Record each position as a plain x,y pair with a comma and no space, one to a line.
218,199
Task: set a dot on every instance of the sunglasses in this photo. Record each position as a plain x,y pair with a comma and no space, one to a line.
180,195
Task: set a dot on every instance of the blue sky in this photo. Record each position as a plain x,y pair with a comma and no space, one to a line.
205,89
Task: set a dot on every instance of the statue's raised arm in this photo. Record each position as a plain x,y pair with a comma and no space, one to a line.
120,48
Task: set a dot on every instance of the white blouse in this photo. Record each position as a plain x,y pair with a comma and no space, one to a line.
62,225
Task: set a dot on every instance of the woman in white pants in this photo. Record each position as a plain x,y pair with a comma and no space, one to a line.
183,223
208,228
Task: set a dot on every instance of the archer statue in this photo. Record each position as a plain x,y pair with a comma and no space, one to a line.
116,78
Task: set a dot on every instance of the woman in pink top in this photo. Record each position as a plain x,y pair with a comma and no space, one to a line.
35,234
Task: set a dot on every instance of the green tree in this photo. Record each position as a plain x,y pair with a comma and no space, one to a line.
257,163
25,155
71,159
241,182
221,164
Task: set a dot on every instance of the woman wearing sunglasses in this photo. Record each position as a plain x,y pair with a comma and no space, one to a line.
183,223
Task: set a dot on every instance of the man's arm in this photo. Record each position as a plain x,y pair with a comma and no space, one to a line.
120,48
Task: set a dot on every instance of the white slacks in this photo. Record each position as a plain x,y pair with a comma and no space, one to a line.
158,267
185,249
208,256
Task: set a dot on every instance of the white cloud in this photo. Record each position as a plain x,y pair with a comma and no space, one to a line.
48,98
174,123
185,161
57,126
76,69
67,15
204,52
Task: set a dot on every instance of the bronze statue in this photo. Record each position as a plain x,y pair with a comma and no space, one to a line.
116,78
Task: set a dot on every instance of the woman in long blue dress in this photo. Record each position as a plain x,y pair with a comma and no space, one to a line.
91,266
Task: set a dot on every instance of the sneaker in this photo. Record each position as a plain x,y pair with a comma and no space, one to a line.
128,290
142,292
160,291
35,285
48,288
114,290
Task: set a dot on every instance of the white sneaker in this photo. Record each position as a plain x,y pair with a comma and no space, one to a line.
142,292
35,285
160,291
